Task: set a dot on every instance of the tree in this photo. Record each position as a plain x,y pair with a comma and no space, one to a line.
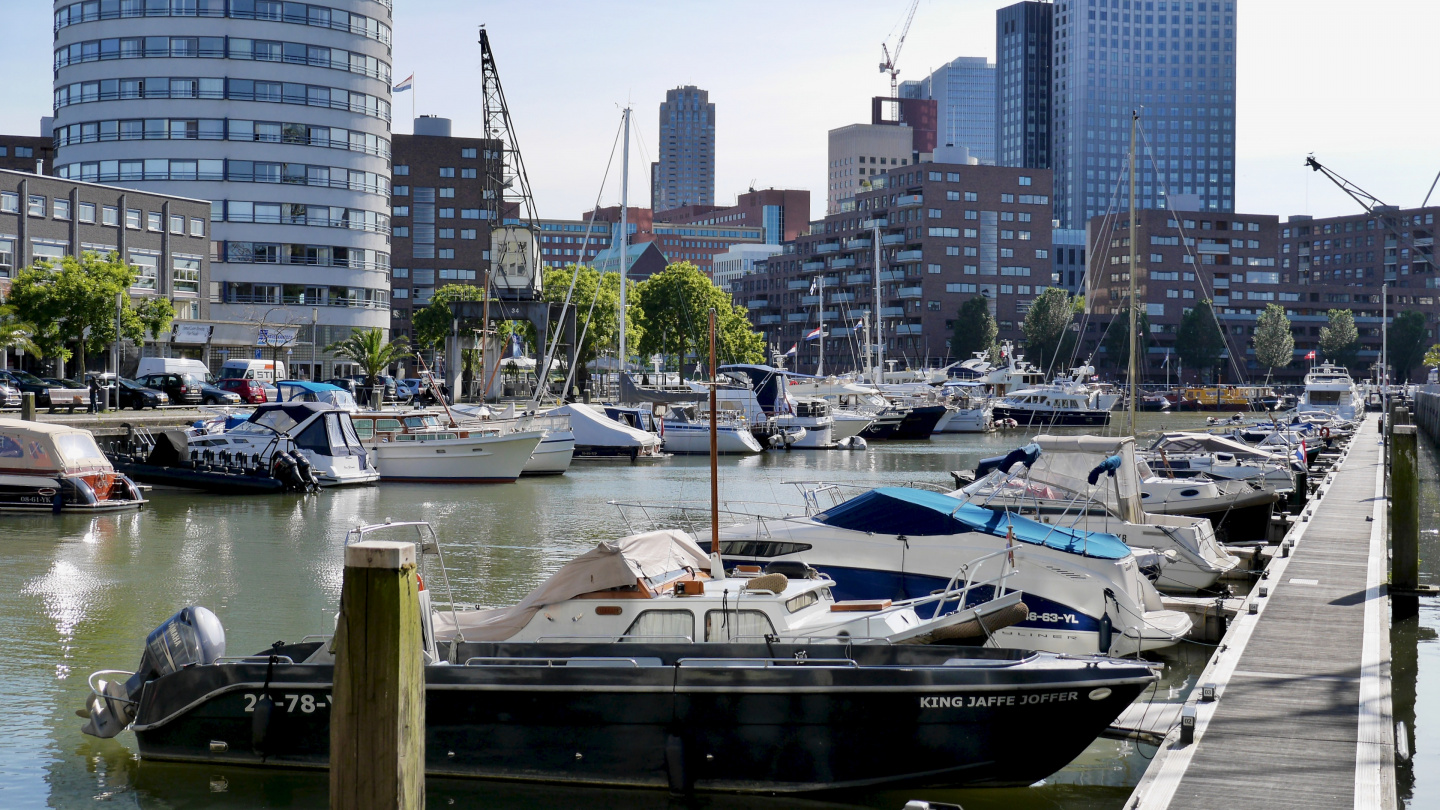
1340,341
1199,341
597,297
371,352
433,322
73,305
672,308
1407,343
17,334
975,330
1432,357
1117,339
1273,340
1047,326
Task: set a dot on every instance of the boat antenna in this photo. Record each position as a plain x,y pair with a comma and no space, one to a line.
1134,338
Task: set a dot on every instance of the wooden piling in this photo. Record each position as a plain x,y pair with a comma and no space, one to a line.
377,719
1404,509
27,406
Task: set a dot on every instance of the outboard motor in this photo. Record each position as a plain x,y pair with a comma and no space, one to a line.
192,636
307,471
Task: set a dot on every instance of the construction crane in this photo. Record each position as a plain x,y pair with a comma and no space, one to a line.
1367,200
508,205
887,65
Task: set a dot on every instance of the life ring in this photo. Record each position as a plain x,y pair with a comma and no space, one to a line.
1325,433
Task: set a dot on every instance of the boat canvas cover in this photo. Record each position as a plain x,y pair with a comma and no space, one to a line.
611,564
597,429
33,447
1066,461
1206,443
919,513
303,391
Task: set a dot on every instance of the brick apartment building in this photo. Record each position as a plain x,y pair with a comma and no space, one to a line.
948,232
21,153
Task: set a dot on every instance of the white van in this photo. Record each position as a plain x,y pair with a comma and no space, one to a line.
172,365
262,370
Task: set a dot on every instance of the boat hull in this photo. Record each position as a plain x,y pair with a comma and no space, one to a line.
637,717
472,460
971,420
918,424
39,493
693,438
1032,418
553,455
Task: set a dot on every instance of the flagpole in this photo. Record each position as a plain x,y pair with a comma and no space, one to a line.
820,367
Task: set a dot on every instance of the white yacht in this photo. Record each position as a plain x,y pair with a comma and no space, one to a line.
1068,404
321,435
1329,389
684,432
599,435
762,394
420,447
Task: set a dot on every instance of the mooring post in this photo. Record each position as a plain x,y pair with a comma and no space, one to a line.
27,406
377,718
1404,509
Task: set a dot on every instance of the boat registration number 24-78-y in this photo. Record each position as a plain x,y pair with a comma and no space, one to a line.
988,701
305,704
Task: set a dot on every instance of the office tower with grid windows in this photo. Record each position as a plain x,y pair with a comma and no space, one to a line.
685,173
1171,60
1022,84
278,113
964,94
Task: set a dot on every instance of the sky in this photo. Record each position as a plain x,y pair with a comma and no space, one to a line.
1342,79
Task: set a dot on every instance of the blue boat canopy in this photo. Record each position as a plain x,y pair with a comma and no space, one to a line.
919,513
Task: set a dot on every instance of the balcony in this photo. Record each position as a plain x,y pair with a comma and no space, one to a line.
911,292
842,298
827,247
855,314
809,300
1222,283
766,320
877,222
798,284
1214,247
910,200
858,278
908,256
842,264
757,303
892,312
811,266
796,317
893,239
858,244
1222,300
841,331
1424,241
892,275
830,315
909,329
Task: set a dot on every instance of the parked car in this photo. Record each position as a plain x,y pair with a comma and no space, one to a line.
183,389
9,395
28,383
214,395
422,392
134,395
251,392
393,392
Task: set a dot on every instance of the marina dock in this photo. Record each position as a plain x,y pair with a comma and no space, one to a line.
1301,709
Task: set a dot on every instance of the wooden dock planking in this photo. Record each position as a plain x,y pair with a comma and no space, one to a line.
1303,714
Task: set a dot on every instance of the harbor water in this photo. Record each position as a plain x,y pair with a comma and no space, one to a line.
79,594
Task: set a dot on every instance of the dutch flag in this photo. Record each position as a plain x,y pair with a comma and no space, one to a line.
794,350
813,334
408,84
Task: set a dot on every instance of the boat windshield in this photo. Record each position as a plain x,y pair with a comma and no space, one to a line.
268,423
421,422
79,450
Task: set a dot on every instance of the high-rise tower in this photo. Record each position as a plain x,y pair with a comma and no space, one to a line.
685,173
1022,84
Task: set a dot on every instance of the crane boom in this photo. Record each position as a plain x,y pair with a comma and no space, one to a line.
1367,200
887,65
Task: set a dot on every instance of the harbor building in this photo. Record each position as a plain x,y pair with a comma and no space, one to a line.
1176,67
740,260
164,237
278,113
781,213
685,172
1069,256
964,96
1022,84
860,153
440,222
28,153
948,232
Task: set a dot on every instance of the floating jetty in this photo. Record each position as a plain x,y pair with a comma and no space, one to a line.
1293,709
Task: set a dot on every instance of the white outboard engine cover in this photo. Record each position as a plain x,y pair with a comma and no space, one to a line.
192,636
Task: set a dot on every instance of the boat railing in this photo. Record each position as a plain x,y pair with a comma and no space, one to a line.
618,637
766,663
426,544
516,661
694,519
259,658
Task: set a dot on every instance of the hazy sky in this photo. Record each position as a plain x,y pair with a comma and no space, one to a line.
1347,80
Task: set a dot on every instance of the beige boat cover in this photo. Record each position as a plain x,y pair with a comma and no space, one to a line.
611,564
1066,461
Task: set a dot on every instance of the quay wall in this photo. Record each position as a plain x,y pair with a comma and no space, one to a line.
1427,411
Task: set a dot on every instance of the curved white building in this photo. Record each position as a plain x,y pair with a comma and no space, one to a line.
277,112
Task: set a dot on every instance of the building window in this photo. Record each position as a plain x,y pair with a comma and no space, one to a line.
933,269
447,171
197,227
147,267
467,233
110,215
400,171
153,222
402,231
177,225
87,213
1024,181
936,213
470,213
468,153
187,274
37,206
401,191
9,202
467,174
447,233
447,213
61,209
7,258
400,272
447,193
132,218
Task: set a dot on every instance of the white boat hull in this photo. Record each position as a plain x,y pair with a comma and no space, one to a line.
694,438
553,455
471,460
848,425
970,420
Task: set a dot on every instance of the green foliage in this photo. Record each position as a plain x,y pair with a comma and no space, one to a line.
1199,341
73,305
1274,342
975,330
603,331
1407,343
1117,338
433,322
1432,357
370,351
1047,326
672,310
17,334
1340,340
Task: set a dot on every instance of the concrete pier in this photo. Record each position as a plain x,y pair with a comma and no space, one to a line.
1301,714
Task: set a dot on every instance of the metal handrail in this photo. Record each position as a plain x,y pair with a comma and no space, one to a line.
614,639
516,661
422,528
253,659
769,662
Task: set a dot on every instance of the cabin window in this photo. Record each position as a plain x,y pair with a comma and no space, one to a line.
663,625
364,428
737,625
760,548
9,448
387,425
313,439
802,601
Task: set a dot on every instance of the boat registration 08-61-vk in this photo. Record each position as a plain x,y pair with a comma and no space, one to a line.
989,701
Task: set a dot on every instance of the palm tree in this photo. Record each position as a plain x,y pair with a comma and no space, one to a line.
16,334
371,352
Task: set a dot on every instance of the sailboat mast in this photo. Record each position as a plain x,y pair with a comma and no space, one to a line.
714,450
820,366
879,327
1134,338
624,234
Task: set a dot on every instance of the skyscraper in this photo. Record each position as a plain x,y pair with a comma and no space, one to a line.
964,93
280,116
1022,84
685,174
1172,61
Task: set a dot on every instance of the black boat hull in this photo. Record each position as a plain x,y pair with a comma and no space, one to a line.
694,719
1028,418
918,424
205,481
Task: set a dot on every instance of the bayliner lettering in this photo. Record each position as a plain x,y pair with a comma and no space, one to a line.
988,701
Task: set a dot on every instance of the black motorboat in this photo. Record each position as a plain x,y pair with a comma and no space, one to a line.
166,459
918,423
742,717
